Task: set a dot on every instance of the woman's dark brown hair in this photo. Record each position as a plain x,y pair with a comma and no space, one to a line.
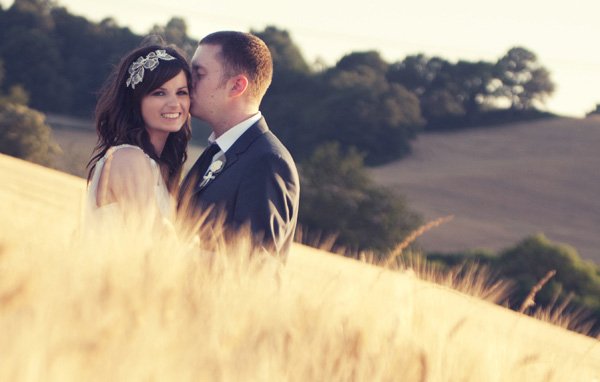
118,113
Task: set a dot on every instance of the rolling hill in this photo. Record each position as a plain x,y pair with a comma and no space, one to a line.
505,183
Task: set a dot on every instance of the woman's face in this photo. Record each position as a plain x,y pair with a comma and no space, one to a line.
166,109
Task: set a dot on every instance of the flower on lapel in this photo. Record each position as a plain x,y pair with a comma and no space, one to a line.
214,168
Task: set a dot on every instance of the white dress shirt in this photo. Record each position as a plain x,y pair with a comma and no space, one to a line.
228,138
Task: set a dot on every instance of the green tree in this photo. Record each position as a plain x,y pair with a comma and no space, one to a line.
89,51
23,132
60,59
38,7
30,54
25,135
449,93
523,79
175,32
361,108
473,81
339,198
532,258
595,111
358,61
287,58
352,103
431,80
290,97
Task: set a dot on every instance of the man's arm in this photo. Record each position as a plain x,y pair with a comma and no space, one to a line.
268,201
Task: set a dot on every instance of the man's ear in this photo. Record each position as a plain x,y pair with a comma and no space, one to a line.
240,85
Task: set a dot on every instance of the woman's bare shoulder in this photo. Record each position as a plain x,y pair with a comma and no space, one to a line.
129,160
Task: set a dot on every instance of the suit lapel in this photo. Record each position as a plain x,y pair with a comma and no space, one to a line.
239,147
192,179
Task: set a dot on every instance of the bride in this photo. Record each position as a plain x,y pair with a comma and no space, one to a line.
143,127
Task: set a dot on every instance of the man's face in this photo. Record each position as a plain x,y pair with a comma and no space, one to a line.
208,94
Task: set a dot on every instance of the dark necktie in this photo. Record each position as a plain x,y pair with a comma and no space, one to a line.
206,159
198,170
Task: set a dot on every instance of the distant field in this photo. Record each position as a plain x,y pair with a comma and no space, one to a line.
502,183
505,183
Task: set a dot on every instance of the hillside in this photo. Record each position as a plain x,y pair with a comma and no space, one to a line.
505,183
90,316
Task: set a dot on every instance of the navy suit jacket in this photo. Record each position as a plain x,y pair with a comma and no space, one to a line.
258,185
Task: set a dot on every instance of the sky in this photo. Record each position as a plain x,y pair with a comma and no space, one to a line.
563,34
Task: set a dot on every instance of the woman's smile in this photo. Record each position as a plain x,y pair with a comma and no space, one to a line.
171,115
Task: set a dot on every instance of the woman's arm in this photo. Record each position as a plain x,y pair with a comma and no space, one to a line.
127,179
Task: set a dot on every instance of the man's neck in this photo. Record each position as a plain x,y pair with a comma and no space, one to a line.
227,139
220,128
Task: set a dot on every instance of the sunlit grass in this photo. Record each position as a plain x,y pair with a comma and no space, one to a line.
129,304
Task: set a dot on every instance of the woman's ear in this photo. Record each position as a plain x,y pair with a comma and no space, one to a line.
240,85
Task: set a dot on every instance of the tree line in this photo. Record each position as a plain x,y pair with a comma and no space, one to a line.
377,107
61,60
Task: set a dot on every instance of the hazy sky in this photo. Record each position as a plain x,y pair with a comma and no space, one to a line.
564,36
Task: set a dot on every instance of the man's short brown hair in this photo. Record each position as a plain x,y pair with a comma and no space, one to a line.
243,53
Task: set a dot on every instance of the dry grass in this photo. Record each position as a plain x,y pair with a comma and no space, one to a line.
124,306
530,299
564,315
133,305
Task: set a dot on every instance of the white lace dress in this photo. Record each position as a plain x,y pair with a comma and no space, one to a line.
94,214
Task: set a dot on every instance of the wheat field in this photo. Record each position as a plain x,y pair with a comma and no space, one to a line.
504,183
126,306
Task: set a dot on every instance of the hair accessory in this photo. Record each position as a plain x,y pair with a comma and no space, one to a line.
136,70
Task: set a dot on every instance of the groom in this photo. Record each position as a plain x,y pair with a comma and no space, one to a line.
245,173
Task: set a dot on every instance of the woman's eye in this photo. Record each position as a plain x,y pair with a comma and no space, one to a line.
158,93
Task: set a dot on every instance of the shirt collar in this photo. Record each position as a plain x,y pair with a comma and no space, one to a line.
228,138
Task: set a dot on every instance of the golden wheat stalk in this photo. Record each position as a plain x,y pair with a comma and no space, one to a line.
410,238
529,300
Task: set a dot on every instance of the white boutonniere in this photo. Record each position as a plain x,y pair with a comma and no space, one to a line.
214,168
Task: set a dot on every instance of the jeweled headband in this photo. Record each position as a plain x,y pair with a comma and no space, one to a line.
136,70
